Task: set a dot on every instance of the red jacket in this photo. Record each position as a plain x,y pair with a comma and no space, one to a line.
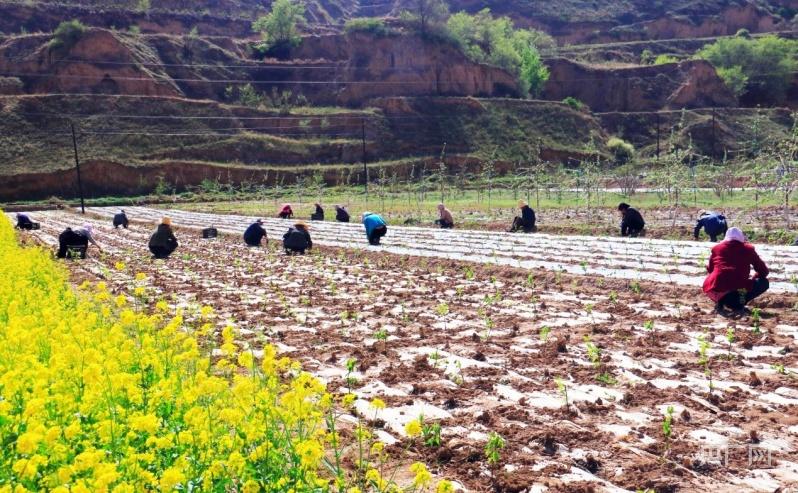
730,269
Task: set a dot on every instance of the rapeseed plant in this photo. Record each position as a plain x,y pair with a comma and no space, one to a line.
96,395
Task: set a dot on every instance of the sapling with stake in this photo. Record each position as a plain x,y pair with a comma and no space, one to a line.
649,326
756,316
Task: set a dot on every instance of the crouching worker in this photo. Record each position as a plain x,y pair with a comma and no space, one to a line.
24,222
341,215
120,220
163,242
286,212
526,221
714,225
376,227
445,221
255,233
318,215
297,239
729,284
632,223
75,242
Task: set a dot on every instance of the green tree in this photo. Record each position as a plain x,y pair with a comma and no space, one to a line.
427,13
762,66
67,34
280,27
486,39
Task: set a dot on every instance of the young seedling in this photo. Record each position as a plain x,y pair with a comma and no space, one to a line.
613,297
381,336
563,390
593,352
756,316
667,426
544,333
607,379
703,359
442,310
493,449
431,433
349,378
634,286
489,324
469,273
649,326
589,310
730,339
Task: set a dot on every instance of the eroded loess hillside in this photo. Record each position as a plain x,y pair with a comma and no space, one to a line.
178,91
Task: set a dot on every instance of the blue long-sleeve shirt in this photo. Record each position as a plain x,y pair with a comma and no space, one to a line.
714,224
372,222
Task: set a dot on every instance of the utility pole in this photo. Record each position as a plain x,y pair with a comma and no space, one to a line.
365,164
77,167
713,133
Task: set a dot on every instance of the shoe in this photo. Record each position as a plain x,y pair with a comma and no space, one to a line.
742,312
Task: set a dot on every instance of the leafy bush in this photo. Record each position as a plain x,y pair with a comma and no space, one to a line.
622,150
665,59
486,39
104,392
762,66
426,15
280,27
574,103
67,34
647,57
371,25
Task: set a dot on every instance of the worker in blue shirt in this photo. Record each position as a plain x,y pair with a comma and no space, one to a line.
376,227
712,223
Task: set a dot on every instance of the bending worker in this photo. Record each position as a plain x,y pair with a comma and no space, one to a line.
341,215
286,212
729,283
376,227
76,241
120,220
632,223
526,221
255,233
297,239
714,225
445,221
319,214
23,221
163,242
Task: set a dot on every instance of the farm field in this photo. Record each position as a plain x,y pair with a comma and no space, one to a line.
572,349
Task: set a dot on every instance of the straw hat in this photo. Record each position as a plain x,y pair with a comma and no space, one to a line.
167,221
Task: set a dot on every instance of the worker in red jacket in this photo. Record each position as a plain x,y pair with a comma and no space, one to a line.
729,283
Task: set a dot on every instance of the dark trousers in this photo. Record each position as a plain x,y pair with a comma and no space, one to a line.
518,225
317,217
737,300
161,251
721,233
294,251
71,244
374,238
633,232
27,226
284,215
444,224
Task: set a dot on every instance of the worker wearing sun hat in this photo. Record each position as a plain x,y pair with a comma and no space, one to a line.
526,221
163,242
254,234
729,283
297,239
714,225
376,227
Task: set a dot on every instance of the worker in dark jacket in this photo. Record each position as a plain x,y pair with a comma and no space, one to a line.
632,223
318,215
286,212
75,242
376,227
341,215
713,223
526,221
729,283
120,220
297,239
24,222
163,242
255,233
